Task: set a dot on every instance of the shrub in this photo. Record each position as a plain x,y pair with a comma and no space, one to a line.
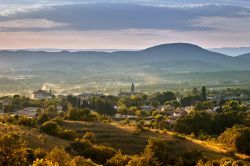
43,118
98,153
221,162
50,128
13,150
44,162
140,124
58,120
146,159
26,121
101,153
39,153
118,160
67,134
237,137
60,156
172,152
81,161
90,136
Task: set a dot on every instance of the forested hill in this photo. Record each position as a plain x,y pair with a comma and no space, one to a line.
176,57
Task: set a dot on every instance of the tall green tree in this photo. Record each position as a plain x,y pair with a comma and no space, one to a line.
203,93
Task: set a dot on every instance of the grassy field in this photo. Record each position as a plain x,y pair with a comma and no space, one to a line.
127,139
122,137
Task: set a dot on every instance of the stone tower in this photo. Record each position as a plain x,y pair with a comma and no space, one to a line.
132,88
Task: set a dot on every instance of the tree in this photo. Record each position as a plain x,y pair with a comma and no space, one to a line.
102,106
202,106
51,111
16,101
73,100
190,100
122,110
154,103
9,108
203,94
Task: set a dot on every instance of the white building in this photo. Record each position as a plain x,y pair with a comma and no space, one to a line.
41,94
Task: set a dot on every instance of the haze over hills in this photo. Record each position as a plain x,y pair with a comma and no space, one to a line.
167,56
231,51
110,71
244,57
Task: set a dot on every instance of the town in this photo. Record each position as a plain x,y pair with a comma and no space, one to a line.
127,104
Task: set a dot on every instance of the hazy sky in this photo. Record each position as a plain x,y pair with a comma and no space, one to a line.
89,24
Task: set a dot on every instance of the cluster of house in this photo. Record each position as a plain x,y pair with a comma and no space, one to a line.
169,111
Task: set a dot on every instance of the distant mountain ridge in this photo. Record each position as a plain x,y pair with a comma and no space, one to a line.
244,57
173,58
231,51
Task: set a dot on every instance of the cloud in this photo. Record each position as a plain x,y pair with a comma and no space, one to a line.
123,23
29,24
117,16
224,24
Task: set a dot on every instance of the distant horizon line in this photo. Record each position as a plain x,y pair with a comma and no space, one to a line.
230,51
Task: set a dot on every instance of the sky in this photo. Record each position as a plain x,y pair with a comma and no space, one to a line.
123,24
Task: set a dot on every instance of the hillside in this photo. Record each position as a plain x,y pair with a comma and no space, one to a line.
120,137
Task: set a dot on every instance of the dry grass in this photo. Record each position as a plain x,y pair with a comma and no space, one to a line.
121,137
34,138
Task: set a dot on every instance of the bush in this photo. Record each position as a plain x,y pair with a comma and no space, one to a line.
118,160
140,125
81,161
44,162
90,137
39,153
221,162
60,156
98,153
50,128
146,159
172,152
101,153
237,137
43,118
26,121
67,134
13,150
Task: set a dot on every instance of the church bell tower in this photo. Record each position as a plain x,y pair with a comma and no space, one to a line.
132,88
